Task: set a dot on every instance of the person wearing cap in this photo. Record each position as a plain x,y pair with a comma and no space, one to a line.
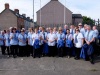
22,37
7,42
78,43
51,37
14,42
60,45
90,38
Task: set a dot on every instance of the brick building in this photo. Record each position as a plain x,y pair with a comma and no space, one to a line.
53,13
10,18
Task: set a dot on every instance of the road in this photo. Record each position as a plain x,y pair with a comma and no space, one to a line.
47,66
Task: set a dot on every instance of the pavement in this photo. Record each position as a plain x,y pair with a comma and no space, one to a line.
47,66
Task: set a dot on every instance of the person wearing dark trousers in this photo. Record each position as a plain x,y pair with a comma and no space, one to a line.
14,42
22,44
90,39
36,37
60,42
78,42
7,42
2,45
51,37
30,47
69,43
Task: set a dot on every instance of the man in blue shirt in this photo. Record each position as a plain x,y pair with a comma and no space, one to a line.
90,38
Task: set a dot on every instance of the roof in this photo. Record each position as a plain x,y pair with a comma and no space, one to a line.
18,15
50,2
76,16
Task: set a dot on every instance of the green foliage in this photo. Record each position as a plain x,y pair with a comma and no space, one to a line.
88,20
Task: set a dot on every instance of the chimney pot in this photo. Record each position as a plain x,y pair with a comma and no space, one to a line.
16,11
7,6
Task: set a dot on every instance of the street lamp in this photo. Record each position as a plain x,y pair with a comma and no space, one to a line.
40,12
65,13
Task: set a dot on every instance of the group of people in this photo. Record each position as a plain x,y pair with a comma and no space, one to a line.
68,41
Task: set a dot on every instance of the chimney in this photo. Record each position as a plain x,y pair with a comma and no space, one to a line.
28,18
16,11
24,15
6,6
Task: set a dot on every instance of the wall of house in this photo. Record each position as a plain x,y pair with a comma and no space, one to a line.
7,19
53,13
76,21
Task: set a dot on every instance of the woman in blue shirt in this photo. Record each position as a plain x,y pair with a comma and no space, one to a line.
60,42
69,43
30,47
2,43
14,43
7,42
22,37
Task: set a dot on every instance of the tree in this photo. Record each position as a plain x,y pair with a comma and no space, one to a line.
88,20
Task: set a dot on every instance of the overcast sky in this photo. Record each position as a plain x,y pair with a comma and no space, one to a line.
90,8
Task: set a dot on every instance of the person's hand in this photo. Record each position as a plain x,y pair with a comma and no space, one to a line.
88,43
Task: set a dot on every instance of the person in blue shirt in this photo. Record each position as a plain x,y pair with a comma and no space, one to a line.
14,42
2,43
22,37
51,37
30,47
90,39
68,43
72,29
7,42
65,28
36,43
44,42
60,45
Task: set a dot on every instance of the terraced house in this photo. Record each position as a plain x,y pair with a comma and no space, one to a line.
10,18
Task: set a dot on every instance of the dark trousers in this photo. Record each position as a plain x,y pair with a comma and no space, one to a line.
30,49
8,50
69,51
14,50
52,51
36,52
22,51
41,49
3,48
60,52
77,52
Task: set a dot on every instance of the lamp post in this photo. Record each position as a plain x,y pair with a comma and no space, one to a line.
40,12
65,13
33,12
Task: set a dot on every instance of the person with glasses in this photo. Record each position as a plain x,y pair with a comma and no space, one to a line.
78,43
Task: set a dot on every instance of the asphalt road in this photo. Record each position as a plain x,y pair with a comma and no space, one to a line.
47,66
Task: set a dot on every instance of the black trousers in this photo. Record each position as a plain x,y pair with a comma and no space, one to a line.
36,52
41,49
60,52
52,51
8,50
69,51
3,48
77,52
22,51
30,50
14,50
